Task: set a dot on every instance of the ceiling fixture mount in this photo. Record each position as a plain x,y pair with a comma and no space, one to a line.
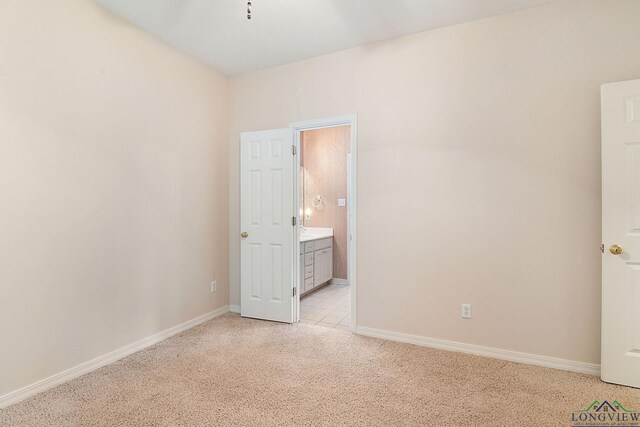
249,9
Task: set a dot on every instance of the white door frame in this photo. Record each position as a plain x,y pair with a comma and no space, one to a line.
297,129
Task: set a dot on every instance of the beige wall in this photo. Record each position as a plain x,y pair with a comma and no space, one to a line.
113,187
324,159
478,170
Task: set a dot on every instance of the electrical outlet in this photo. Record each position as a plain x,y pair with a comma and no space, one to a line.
466,311
214,285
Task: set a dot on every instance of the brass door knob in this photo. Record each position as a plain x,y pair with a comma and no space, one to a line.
616,250
244,234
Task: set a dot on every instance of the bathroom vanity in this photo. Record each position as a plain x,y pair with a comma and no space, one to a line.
316,258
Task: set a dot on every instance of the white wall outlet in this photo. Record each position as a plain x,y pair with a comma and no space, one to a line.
214,285
466,311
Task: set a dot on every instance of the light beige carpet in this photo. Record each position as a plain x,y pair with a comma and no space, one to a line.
234,371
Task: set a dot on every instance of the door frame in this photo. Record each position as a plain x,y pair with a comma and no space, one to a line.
329,122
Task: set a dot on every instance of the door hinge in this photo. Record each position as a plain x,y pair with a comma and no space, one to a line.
293,221
294,291
602,248
293,150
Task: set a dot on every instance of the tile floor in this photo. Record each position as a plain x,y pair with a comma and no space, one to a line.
329,307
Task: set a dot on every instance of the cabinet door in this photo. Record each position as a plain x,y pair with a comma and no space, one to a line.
318,267
301,288
328,264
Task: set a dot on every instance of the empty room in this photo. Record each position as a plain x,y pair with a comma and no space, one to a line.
319,212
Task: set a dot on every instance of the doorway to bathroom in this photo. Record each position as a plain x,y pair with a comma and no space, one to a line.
325,193
288,218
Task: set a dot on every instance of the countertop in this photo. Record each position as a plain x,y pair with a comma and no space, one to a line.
314,233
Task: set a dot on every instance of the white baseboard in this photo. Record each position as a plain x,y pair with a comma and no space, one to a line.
339,282
496,353
98,362
234,308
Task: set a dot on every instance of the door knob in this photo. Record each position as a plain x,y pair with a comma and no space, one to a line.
244,234
616,250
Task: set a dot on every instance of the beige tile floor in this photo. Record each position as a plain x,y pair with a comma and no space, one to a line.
329,307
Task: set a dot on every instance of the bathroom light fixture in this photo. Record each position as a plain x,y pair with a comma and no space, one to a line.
249,9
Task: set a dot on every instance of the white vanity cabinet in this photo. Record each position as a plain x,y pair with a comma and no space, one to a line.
301,280
316,263
322,266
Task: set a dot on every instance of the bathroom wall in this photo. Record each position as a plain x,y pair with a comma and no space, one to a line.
478,170
114,185
324,158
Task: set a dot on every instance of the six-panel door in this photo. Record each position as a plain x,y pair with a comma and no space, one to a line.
266,211
621,233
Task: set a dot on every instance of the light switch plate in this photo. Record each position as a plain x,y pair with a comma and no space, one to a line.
342,202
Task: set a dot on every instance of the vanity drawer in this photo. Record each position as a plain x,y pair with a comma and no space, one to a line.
323,243
309,246
308,272
308,284
308,259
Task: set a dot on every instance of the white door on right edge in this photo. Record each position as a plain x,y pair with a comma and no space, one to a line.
621,233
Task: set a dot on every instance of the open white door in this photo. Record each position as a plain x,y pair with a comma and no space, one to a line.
266,211
621,233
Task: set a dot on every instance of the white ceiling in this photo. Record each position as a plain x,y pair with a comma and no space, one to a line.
284,31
